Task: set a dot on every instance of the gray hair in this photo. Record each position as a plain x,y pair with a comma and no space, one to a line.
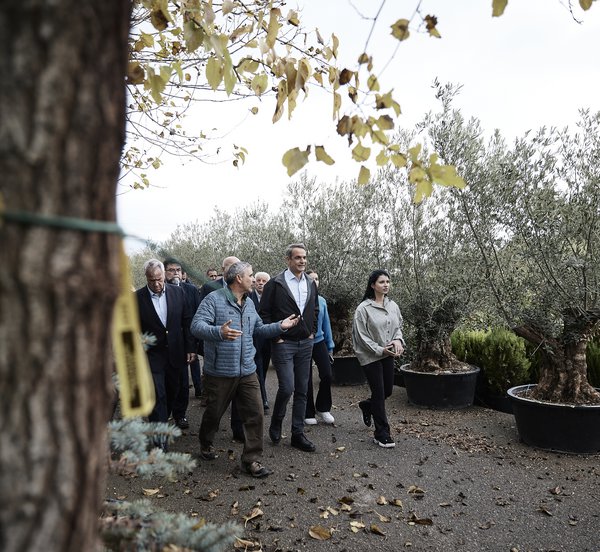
234,270
151,264
288,251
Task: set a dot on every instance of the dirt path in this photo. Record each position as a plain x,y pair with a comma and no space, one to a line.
457,480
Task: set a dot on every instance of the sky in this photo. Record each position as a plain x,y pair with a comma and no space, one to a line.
533,66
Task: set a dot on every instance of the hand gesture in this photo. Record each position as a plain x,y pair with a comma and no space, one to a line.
229,333
290,321
394,348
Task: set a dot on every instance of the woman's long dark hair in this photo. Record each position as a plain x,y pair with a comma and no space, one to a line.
370,292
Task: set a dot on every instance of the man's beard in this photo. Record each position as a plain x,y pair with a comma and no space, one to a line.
176,281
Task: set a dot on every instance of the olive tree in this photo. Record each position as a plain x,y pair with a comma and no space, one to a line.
533,211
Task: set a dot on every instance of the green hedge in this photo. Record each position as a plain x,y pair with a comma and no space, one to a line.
499,353
508,360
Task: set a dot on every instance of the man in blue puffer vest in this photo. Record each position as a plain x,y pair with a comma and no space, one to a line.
226,320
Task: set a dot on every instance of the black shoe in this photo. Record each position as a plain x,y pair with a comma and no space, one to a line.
208,453
198,394
182,423
275,431
300,441
366,412
266,406
255,469
239,437
384,442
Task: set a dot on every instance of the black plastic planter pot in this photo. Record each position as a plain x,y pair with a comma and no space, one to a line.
347,371
557,427
440,390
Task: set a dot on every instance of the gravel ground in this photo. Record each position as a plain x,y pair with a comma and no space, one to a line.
457,480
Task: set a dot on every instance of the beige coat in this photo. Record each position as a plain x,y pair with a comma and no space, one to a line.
374,327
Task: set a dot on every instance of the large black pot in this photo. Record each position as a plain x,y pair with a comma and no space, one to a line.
553,426
347,371
447,390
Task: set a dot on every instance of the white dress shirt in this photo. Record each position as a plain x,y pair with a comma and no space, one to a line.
160,305
298,287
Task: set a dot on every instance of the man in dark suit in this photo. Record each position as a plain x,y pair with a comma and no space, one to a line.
165,314
262,346
174,276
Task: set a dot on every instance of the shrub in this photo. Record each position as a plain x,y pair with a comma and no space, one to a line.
504,361
592,356
468,345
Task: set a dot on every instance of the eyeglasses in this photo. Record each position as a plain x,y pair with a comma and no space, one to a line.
173,269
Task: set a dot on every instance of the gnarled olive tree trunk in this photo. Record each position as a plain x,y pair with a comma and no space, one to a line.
61,132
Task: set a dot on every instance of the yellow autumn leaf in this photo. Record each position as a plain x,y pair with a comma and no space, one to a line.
150,492
363,58
335,45
254,513
446,176
247,65
585,4
361,153
323,156
364,176
227,6
400,29
498,7
385,122
259,84
280,100
398,160
373,83
382,158
381,500
214,72
273,27
337,104
229,76
356,526
319,532
193,35
292,18
254,110
294,159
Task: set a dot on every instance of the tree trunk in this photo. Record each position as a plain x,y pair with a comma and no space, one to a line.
61,132
563,374
435,355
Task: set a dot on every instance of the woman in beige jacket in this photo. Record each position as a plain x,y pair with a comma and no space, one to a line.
377,340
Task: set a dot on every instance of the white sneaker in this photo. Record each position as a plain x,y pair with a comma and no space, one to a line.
326,417
310,421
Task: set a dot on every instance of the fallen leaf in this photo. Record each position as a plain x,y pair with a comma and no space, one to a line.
356,526
340,449
376,530
255,513
544,510
235,510
486,525
382,518
444,504
397,502
346,508
333,511
319,532
382,500
346,500
555,491
150,492
300,491
414,520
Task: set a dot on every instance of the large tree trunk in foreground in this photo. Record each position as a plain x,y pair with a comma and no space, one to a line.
61,132
563,376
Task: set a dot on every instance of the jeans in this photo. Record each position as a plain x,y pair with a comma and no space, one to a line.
292,364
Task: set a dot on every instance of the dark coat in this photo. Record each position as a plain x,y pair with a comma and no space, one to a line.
277,303
176,339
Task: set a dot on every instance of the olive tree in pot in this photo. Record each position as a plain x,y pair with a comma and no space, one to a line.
542,265
433,264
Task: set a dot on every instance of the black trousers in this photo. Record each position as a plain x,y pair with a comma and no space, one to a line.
320,355
380,376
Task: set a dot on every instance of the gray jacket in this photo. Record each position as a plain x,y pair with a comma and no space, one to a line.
229,359
374,327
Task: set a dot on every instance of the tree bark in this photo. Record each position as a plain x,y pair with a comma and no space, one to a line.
563,375
62,100
435,355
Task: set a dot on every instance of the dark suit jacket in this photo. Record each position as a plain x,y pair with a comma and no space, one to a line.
209,287
174,341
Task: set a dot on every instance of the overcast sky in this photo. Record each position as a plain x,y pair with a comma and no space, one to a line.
533,66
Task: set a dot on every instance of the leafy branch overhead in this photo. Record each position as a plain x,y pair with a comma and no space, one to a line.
238,49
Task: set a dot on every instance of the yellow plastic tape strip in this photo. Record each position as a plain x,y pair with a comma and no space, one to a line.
135,380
